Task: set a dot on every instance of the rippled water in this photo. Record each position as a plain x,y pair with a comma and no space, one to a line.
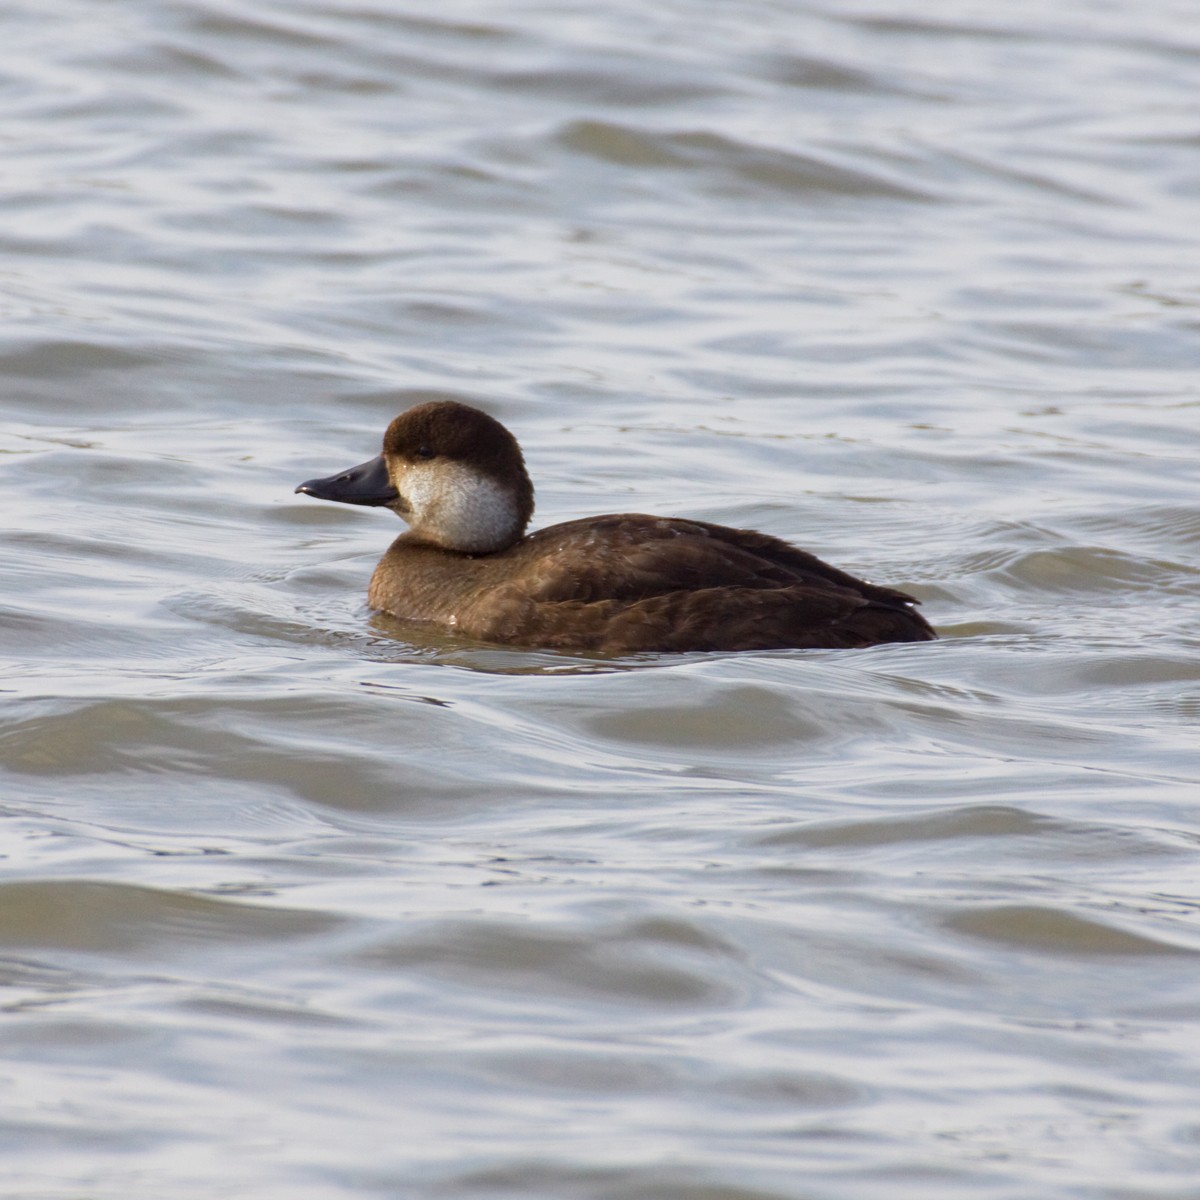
298,901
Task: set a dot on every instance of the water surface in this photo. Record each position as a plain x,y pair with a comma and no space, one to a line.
300,901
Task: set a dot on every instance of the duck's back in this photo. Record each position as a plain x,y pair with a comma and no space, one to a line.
627,583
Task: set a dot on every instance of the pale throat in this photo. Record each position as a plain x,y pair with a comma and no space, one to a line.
459,508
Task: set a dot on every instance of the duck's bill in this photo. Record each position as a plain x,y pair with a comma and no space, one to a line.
368,483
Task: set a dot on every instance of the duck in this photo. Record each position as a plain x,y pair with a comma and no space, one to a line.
620,584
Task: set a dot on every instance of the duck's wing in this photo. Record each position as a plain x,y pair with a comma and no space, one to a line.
631,556
630,583
729,618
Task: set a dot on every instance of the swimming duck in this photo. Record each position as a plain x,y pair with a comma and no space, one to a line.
616,584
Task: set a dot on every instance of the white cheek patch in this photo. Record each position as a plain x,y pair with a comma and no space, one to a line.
417,488
459,508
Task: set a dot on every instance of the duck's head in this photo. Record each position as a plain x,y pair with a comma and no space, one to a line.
452,472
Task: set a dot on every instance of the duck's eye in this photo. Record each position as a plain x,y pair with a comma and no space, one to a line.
424,451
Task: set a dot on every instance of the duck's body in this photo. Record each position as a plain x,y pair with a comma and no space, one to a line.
614,584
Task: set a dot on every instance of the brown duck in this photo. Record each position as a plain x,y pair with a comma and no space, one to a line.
616,584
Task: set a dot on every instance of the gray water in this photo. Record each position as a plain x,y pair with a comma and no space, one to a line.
298,902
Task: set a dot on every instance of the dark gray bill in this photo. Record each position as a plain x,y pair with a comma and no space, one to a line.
368,483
